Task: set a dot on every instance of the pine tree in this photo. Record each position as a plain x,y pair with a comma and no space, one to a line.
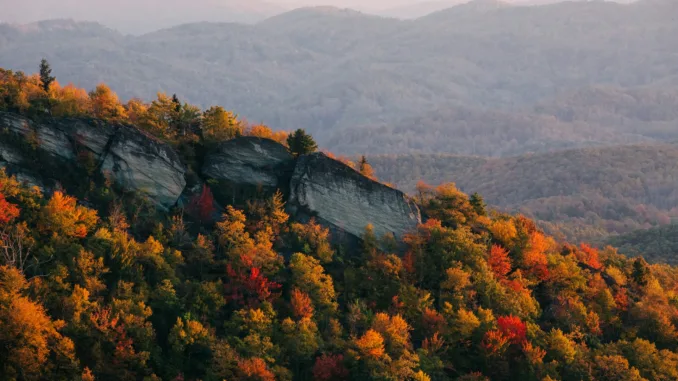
301,143
176,102
46,78
478,204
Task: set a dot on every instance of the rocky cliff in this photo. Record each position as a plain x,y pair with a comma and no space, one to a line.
316,185
338,196
249,161
132,159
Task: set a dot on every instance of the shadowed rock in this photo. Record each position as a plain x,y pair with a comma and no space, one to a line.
248,161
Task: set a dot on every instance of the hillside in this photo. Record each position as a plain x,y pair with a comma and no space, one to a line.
584,194
331,70
659,244
160,241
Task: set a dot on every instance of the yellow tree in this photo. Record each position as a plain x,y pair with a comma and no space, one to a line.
105,103
27,335
219,125
63,216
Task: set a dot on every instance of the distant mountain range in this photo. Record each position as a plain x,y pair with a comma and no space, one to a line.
144,16
482,78
583,194
141,16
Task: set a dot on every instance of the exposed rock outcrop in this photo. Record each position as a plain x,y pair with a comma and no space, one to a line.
133,160
316,186
338,196
138,162
249,161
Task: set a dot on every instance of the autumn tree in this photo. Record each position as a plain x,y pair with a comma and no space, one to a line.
255,369
69,101
29,338
202,206
309,276
365,168
63,216
312,239
219,125
330,368
302,306
499,261
105,103
371,345
8,211
300,143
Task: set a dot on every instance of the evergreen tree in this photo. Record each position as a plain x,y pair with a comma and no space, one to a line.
301,143
640,272
46,78
177,103
478,204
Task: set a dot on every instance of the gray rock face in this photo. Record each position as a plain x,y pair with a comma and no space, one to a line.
9,155
248,161
140,163
338,196
134,160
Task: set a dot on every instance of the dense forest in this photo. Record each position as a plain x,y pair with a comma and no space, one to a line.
498,80
99,288
582,195
656,244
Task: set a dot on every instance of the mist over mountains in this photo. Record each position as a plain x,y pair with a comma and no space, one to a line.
334,71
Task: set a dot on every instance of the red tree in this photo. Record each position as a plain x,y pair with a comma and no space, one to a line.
589,256
202,205
499,261
302,307
8,211
513,328
249,288
330,368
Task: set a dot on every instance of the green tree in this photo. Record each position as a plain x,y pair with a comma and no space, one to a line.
301,143
46,78
478,204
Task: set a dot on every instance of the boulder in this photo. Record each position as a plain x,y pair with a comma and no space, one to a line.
249,161
339,197
134,160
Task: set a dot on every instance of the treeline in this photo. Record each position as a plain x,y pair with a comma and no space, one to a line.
41,95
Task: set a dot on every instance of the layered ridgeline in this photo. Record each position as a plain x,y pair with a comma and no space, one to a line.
200,248
582,195
562,75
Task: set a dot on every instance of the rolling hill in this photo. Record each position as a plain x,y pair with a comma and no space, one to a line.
583,194
658,244
332,71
